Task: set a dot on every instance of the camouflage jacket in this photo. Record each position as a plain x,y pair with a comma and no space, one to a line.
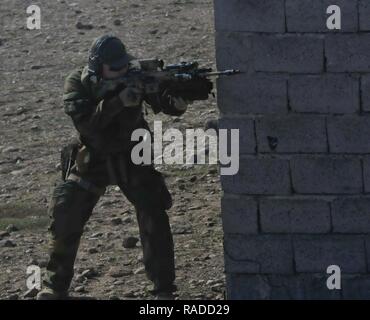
105,126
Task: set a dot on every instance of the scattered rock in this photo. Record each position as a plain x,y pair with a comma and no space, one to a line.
116,221
181,187
80,279
4,234
31,293
155,31
127,212
90,273
217,287
220,297
7,243
213,282
11,228
130,242
80,289
193,179
115,272
36,67
111,259
82,26
181,230
10,149
194,208
198,295
117,22
113,297
139,270
127,220
129,294
93,250
17,172
97,235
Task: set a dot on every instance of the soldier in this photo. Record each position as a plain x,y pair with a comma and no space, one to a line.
102,157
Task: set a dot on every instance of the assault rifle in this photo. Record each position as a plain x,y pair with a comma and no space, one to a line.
185,80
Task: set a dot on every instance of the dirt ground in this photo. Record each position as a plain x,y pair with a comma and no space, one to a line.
33,129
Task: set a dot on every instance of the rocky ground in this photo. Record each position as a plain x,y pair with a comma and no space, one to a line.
33,129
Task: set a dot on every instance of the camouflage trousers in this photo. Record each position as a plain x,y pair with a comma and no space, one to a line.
71,207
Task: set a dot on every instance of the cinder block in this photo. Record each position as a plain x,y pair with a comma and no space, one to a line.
247,141
293,133
259,176
355,287
348,52
247,287
239,215
364,8
366,164
258,254
252,94
351,215
324,94
250,15
234,51
349,134
288,53
326,175
312,287
367,248
315,254
294,216
365,92
311,16
279,287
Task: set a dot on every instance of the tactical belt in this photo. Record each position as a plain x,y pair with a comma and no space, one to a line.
86,184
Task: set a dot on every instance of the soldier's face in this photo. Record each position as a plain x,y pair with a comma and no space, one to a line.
110,74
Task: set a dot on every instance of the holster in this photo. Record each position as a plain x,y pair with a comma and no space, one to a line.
68,158
74,154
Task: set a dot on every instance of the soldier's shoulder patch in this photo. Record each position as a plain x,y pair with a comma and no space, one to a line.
73,85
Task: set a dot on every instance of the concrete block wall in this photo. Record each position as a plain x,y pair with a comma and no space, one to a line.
301,199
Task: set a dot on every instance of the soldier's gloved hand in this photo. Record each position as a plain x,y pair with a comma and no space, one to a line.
131,96
180,104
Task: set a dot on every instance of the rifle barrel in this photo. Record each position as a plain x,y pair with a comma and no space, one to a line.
221,73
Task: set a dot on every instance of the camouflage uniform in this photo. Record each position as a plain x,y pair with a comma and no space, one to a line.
105,129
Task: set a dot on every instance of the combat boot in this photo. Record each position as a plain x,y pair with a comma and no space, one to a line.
50,294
